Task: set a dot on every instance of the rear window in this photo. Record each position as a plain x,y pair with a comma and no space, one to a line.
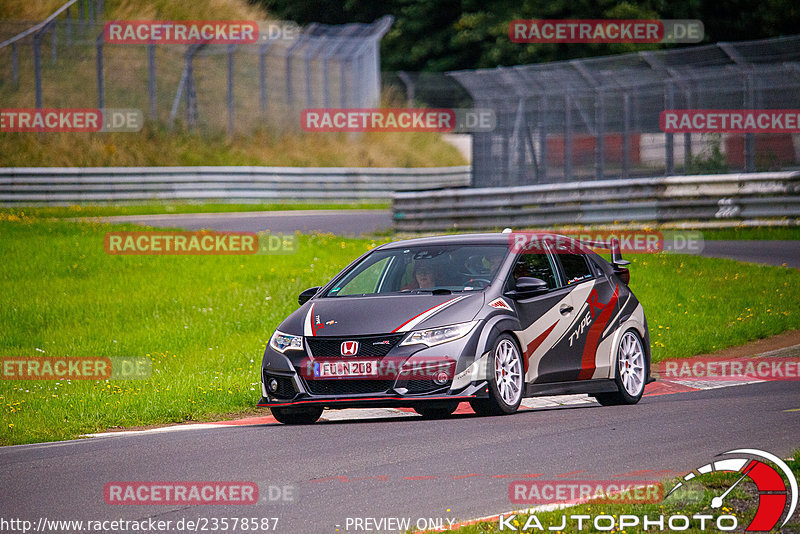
576,270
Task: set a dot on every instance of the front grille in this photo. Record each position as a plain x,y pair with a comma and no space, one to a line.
347,386
286,389
372,346
422,386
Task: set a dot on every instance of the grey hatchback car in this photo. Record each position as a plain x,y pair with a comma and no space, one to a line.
488,319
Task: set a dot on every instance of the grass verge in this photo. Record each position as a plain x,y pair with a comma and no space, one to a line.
693,499
752,233
203,321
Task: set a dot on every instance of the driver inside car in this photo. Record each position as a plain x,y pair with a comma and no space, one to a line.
423,276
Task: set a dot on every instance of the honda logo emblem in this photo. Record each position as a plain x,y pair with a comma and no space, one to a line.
349,348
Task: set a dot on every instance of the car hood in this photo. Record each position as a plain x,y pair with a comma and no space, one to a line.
355,316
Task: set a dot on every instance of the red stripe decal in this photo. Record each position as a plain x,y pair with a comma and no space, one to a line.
359,399
595,331
533,345
313,322
423,313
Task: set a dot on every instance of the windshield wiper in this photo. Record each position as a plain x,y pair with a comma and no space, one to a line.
433,291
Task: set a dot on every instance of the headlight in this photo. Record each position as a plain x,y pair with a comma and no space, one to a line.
443,334
283,342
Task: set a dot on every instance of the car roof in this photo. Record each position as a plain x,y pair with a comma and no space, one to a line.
457,239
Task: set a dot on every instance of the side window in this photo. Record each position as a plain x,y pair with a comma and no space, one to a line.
576,270
535,266
364,282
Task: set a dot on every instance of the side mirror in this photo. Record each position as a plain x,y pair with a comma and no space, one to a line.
306,295
528,287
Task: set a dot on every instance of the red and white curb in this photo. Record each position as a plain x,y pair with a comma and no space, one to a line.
360,414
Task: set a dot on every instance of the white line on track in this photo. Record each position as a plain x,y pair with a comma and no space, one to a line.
359,414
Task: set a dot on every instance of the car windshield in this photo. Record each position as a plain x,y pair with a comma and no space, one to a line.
421,269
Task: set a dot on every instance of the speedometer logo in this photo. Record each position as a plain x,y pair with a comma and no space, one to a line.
773,493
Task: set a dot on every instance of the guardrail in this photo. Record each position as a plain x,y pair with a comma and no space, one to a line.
71,185
658,200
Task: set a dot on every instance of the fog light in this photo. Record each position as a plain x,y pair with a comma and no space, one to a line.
272,385
441,378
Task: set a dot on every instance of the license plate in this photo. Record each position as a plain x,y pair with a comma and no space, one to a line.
346,369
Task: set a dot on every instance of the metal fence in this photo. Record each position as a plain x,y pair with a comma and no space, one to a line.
75,185
724,197
64,62
593,119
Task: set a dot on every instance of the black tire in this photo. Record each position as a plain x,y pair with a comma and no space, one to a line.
502,400
297,416
630,389
437,410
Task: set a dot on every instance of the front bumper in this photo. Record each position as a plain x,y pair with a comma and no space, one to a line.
296,386
386,401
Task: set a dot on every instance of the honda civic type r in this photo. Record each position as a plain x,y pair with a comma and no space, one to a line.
489,319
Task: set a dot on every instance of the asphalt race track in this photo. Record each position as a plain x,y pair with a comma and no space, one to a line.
401,467
770,252
356,222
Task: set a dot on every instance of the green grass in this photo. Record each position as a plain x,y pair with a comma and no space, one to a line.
697,305
753,233
204,320
154,208
694,498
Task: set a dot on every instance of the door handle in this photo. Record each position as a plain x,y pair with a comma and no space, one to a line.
565,309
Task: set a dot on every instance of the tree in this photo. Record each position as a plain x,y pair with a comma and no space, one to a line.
435,36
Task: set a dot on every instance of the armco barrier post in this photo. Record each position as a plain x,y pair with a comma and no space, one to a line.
567,138
37,67
749,138
669,103
541,175
101,95
53,42
599,135
151,81
68,28
14,63
231,49
626,134
262,74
